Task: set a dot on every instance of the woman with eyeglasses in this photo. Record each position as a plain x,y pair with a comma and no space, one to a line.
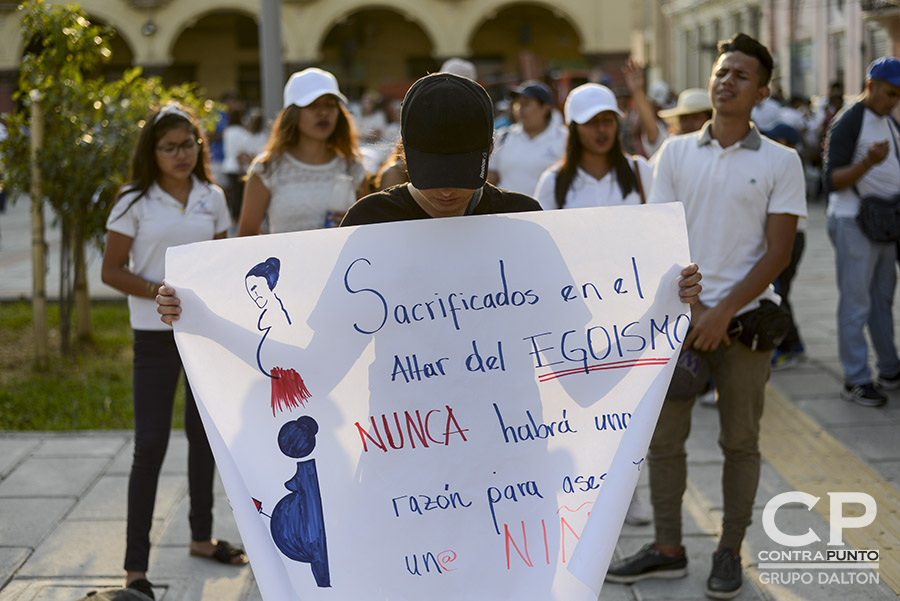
309,172
170,200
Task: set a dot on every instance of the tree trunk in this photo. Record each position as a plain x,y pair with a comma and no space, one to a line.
65,288
82,296
38,245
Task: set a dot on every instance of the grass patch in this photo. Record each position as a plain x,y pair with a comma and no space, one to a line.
89,390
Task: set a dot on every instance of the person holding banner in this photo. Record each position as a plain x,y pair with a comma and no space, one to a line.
595,171
169,201
742,195
447,133
309,172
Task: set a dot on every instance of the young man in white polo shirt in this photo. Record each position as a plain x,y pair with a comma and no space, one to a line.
862,159
742,194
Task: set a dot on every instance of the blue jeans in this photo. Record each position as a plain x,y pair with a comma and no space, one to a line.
157,367
866,278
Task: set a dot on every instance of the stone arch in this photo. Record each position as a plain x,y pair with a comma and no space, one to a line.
112,14
234,66
360,51
184,15
318,21
524,40
489,9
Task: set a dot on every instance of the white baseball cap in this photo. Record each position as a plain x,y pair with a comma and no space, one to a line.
304,87
588,100
461,67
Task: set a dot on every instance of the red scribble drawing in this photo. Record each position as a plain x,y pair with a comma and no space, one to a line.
553,375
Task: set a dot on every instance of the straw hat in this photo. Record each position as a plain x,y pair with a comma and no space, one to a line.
690,101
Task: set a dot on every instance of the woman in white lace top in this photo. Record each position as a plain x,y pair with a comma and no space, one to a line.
310,172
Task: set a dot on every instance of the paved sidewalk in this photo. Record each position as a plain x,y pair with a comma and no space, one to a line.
62,495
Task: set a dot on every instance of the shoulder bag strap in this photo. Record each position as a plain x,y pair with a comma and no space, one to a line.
637,173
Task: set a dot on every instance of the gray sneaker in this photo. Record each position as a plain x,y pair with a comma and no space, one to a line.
886,382
647,563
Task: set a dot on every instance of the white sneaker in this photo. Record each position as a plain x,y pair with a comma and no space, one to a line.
638,514
708,398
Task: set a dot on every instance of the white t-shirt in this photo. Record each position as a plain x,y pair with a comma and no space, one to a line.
882,179
662,133
301,195
518,159
237,140
728,195
156,222
588,191
232,138
372,125
766,114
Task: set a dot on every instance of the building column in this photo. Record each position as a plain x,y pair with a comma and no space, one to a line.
856,70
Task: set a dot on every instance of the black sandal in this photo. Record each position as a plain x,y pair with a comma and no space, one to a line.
225,553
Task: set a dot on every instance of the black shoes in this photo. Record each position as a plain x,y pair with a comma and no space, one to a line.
647,563
725,578
863,394
724,582
143,586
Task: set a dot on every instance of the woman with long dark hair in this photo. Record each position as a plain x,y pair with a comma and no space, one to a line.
169,201
595,171
310,171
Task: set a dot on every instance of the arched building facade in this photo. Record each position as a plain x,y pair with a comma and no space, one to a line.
382,45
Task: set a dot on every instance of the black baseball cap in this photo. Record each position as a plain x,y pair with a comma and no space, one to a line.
447,127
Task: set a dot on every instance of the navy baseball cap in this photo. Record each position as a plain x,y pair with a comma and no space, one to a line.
886,68
783,131
447,127
534,89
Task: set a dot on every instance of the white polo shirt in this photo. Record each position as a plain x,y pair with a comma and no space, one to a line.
588,191
728,195
882,179
157,221
519,159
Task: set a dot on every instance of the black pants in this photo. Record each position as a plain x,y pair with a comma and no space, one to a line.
157,367
234,194
783,288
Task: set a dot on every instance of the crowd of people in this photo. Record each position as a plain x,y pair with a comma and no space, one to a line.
740,160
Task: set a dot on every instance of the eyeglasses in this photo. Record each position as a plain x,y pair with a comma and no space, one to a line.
171,150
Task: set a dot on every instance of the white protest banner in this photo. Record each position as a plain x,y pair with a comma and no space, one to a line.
428,410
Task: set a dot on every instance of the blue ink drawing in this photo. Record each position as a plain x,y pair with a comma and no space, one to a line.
297,522
288,389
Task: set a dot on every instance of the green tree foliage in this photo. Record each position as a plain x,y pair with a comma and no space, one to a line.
91,127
